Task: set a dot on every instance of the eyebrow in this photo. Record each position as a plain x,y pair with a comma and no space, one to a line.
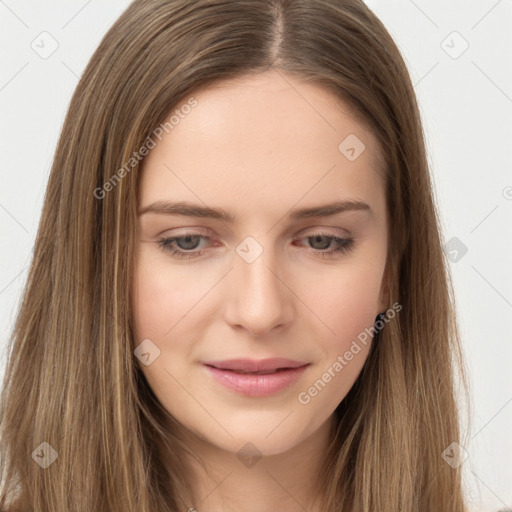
194,210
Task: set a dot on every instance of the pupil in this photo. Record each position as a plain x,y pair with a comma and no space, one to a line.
187,239
325,245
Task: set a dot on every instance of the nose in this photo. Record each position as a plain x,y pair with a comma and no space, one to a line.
260,299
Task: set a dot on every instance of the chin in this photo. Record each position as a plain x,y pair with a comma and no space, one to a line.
259,445
258,438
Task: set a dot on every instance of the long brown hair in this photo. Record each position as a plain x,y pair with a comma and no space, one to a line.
71,379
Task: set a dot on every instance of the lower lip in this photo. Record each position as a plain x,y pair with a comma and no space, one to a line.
257,385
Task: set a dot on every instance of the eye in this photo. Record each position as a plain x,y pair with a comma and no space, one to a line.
185,246
190,244
323,241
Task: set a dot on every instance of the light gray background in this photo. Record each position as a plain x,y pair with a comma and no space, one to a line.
466,103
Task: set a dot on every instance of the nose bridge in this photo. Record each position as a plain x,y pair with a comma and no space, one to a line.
259,299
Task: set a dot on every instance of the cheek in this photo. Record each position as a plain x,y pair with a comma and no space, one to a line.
163,294
346,300
168,309
345,348
162,298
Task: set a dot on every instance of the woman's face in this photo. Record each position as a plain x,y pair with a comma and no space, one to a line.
267,282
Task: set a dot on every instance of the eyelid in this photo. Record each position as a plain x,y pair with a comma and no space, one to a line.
325,230
184,231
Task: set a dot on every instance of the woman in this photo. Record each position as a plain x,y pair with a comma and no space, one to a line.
238,297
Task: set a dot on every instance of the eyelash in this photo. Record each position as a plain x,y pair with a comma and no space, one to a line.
166,244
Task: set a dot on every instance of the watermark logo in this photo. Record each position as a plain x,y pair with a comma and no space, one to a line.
146,352
249,455
351,147
45,45
45,455
455,249
454,455
249,250
454,45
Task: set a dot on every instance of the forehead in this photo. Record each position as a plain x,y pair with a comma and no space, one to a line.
264,140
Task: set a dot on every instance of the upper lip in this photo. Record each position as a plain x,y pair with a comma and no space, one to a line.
256,365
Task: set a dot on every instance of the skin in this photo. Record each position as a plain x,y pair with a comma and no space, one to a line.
259,147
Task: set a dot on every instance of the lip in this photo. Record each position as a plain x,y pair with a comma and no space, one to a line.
256,365
252,384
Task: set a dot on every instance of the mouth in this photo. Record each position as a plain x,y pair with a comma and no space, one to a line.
251,378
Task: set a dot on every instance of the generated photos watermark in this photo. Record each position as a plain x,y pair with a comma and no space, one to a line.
305,397
149,144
